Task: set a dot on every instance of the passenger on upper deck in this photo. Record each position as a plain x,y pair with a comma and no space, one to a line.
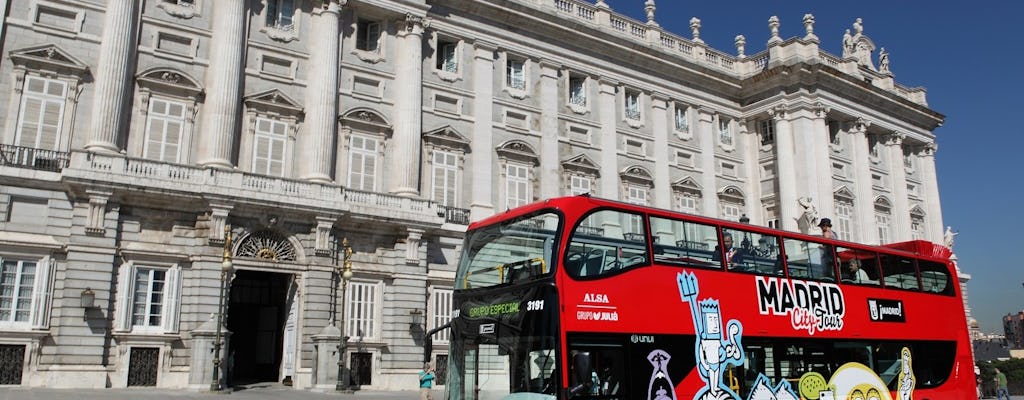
733,256
826,229
858,275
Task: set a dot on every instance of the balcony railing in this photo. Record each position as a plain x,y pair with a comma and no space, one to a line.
195,179
33,158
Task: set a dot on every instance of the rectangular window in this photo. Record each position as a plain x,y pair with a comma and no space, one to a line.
730,211
362,311
882,221
368,36
768,170
268,147
362,164
445,178
42,112
635,195
844,220
579,185
833,132
280,14
635,147
148,299
724,133
515,74
688,204
839,170
165,125
17,282
728,169
632,105
578,134
447,56
681,121
517,186
684,159
578,91
441,313
917,228
767,130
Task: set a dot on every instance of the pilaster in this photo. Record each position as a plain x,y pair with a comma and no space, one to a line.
482,171
321,95
405,152
113,75
660,127
864,204
706,133
898,174
324,224
931,193
221,113
785,160
609,146
549,166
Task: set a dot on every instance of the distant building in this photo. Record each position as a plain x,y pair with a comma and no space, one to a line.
991,350
1013,329
135,134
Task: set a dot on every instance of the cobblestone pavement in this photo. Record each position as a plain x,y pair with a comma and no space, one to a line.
255,392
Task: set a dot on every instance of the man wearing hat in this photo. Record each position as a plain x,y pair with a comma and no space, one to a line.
826,229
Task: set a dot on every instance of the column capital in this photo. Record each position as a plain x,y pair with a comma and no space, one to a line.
413,25
548,68
483,49
779,112
860,125
820,110
894,138
659,99
606,84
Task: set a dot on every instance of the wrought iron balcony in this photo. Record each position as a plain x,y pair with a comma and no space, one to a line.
33,158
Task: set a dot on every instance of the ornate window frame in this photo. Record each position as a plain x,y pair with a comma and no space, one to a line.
449,140
731,196
49,62
365,122
519,153
436,41
687,187
684,132
167,84
576,104
277,32
181,9
274,105
360,23
507,85
580,166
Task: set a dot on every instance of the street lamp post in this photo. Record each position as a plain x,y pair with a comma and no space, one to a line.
346,274
225,271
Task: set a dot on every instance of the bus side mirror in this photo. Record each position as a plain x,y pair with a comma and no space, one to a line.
581,375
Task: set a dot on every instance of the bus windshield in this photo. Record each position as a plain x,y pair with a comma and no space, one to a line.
514,251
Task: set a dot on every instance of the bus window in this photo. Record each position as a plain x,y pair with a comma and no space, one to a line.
601,247
597,370
512,252
935,277
858,266
899,272
754,252
809,260
684,243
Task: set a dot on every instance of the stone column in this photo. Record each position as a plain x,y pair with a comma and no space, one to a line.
405,149
785,151
608,138
321,121
113,75
750,153
931,193
706,134
550,177
660,128
482,158
898,174
823,163
864,204
222,111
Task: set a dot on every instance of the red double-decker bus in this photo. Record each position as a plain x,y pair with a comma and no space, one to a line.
584,298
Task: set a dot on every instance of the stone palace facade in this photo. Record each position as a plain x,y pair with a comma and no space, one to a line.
143,139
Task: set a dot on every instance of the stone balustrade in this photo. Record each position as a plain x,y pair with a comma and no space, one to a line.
155,176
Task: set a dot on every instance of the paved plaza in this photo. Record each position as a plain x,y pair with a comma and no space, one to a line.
252,393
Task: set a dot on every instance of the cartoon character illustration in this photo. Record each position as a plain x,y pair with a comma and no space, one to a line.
763,390
906,383
857,381
714,352
661,387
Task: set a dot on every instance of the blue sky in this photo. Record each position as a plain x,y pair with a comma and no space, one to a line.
968,55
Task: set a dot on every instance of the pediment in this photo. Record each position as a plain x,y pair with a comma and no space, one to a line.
687,184
274,101
582,163
448,137
844,192
518,150
49,57
917,211
367,119
731,192
636,173
166,80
